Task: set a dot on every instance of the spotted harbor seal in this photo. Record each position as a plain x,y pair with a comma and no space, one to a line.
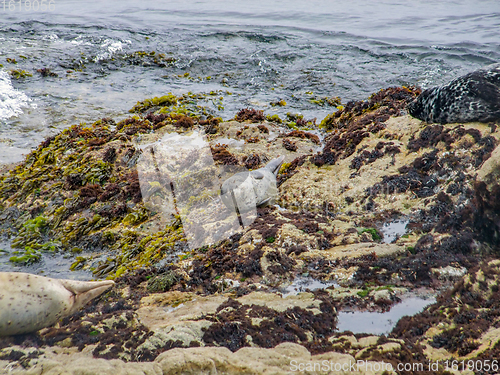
472,97
252,189
30,302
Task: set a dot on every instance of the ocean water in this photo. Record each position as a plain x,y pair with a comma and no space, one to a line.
249,53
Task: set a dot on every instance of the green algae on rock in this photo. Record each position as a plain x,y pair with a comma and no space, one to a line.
76,190
177,107
376,165
19,74
83,184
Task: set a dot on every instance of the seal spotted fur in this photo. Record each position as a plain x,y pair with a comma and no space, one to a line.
472,97
30,302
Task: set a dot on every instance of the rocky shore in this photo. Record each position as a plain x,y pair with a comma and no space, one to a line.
223,308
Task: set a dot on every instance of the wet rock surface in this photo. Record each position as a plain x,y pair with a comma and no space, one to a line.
223,307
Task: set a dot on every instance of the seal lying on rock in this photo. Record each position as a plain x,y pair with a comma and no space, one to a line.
30,302
472,97
252,189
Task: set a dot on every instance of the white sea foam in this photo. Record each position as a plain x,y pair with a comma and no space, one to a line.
11,100
80,41
110,47
50,37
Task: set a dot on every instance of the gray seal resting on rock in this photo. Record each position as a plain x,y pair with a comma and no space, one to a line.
472,97
252,189
30,302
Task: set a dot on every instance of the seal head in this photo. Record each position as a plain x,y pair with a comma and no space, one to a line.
248,190
472,97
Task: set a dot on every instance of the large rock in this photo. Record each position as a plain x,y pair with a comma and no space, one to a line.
284,359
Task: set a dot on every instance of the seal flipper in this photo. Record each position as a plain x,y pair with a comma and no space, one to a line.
84,291
264,202
275,164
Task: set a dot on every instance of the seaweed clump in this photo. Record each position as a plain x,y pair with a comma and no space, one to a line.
289,145
217,260
357,120
84,186
252,161
46,72
234,325
181,111
253,115
289,169
368,157
222,155
303,135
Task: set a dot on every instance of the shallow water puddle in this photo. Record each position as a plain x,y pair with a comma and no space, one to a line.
56,265
300,284
377,323
394,229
